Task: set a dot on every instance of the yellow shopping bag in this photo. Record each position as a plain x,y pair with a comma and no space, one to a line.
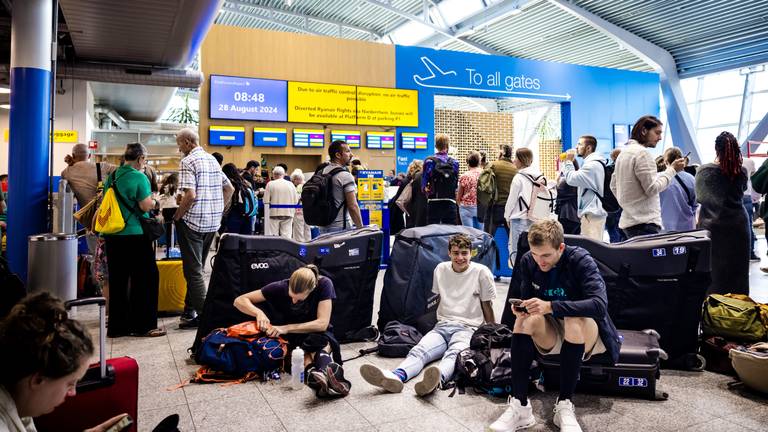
109,218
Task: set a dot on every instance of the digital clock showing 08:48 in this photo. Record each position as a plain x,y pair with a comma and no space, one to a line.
248,97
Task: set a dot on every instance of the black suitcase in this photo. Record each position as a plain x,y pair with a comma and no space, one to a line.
635,374
656,281
247,263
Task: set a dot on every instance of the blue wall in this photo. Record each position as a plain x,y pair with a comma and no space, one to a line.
592,98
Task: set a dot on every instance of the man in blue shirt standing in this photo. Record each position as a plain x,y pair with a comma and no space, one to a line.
564,311
678,201
439,183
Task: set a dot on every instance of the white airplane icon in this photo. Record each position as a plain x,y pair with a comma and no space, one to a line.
431,67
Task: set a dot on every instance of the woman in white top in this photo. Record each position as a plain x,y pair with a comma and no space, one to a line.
516,210
301,231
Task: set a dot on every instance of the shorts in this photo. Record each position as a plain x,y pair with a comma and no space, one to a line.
559,325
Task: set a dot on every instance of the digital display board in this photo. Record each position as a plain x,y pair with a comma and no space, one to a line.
239,98
308,138
321,103
378,106
351,137
413,140
226,135
270,137
380,140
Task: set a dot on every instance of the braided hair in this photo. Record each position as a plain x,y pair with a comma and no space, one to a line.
39,337
728,154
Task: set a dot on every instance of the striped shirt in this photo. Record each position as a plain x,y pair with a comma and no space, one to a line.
201,172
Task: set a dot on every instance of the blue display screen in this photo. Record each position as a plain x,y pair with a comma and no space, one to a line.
238,98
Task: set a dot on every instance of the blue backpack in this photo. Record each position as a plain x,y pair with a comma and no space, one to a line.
239,353
249,201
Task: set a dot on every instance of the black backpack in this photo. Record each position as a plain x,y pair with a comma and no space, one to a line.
317,197
486,366
443,180
397,339
608,199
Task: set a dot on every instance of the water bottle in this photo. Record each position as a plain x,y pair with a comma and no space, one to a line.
297,368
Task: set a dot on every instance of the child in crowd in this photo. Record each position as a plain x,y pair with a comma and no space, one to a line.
466,292
299,310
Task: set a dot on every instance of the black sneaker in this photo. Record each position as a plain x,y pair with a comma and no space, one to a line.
188,323
337,385
317,381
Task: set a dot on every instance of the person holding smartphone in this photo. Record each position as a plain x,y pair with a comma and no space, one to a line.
563,310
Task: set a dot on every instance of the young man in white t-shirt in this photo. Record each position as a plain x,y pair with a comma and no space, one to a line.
466,292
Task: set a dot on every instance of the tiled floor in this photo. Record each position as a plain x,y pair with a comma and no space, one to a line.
698,401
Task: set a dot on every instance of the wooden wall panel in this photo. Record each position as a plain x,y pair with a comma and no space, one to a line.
289,56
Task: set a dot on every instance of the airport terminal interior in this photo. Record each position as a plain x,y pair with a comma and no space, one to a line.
378,215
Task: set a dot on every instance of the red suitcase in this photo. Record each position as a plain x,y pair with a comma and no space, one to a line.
109,388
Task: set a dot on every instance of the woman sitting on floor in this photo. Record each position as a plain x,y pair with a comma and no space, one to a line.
298,309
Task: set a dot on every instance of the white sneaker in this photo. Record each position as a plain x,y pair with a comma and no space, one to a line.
514,418
383,378
429,381
565,416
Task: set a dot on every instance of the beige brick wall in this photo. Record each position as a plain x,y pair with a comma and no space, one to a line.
549,152
470,130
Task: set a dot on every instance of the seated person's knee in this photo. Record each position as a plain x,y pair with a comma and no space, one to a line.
529,324
574,329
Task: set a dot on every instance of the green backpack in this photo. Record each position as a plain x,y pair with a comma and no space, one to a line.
487,193
733,318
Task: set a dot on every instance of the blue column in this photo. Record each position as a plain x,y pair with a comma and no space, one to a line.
28,157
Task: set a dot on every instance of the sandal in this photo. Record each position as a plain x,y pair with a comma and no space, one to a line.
152,333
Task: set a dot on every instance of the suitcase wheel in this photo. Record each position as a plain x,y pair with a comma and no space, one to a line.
661,395
652,332
695,362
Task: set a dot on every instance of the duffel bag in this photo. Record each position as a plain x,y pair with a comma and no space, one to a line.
733,318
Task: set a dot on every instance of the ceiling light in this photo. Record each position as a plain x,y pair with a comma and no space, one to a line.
5,106
4,90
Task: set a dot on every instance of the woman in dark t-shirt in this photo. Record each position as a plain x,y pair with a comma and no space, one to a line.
299,311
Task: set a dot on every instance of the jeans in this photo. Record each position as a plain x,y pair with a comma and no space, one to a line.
469,217
749,207
641,229
516,227
441,212
444,341
333,229
612,226
194,251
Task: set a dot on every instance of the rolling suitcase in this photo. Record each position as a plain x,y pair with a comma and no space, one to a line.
656,281
109,388
173,286
635,375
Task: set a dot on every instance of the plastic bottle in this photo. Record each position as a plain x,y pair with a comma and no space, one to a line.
297,368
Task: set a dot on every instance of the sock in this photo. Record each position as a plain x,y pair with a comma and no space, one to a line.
570,363
523,353
322,359
400,374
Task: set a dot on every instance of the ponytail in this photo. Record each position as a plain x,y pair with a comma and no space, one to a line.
729,155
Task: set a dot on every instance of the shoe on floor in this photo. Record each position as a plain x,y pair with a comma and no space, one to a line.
565,417
338,386
188,323
429,381
764,269
754,258
515,417
382,378
317,381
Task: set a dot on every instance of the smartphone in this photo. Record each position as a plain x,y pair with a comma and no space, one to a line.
123,424
686,155
515,302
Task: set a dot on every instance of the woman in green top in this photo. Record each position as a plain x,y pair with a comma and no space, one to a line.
133,274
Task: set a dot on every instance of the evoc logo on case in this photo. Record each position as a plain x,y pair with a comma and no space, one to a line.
259,266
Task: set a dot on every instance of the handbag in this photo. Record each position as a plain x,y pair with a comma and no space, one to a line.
405,198
109,218
153,228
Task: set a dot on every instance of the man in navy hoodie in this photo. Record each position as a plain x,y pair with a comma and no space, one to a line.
564,310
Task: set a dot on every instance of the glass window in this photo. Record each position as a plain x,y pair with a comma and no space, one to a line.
730,83
705,139
761,81
719,112
759,106
689,86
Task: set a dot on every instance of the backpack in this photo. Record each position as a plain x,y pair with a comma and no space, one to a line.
486,366
487,192
397,339
608,199
443,180
239,353
542,201
317,198
250,204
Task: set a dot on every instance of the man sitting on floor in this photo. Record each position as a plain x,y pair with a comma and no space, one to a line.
564,311
466,292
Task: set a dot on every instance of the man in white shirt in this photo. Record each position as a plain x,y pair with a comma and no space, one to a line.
635,181
280,192
466,292
589,180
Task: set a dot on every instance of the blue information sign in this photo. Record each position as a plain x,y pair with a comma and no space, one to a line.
239,98
269,137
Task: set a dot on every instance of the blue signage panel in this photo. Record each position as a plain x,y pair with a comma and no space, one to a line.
239,98
226,135
592,99
270,137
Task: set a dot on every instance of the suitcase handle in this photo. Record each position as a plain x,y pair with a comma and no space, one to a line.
102,302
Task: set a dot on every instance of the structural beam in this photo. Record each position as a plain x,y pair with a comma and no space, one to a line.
425,22
662,62
271,11
758,134
272,19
